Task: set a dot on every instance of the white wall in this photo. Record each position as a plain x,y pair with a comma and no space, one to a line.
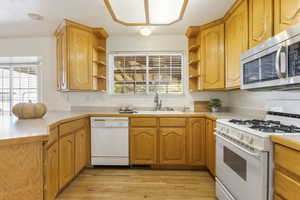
45,47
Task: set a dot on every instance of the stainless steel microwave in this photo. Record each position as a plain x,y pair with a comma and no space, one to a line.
273,64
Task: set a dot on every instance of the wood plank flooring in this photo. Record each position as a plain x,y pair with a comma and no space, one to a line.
137,184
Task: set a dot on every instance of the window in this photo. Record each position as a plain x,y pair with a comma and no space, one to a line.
18,81
146,73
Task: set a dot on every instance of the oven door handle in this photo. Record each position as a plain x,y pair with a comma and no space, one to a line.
257,155
280,64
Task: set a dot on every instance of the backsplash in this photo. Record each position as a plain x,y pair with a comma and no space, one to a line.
262,101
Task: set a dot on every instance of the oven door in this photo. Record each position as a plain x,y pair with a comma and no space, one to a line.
244,174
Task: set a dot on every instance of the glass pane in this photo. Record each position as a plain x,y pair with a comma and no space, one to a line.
268,70
294,60
236,163
251,72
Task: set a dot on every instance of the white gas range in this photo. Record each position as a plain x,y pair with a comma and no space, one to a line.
244,155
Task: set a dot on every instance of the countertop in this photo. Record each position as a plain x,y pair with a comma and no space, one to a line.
13,129
291,141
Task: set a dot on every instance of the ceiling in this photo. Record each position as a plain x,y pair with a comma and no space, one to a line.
14,21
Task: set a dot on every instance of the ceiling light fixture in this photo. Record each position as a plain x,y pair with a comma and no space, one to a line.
145,32
147,12
35,16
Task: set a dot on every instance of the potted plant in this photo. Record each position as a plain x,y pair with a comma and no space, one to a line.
215,104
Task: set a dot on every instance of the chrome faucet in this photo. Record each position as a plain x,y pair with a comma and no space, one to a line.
157,102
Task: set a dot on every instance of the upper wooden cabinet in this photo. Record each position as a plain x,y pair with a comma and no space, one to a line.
196,141
212,58
172,146
143,146
236,42
260,21
286,14
81,57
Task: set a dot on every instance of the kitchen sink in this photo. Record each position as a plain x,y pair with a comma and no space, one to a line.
159,112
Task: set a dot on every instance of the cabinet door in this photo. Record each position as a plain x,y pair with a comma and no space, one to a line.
61,57
80,149
52,176
260,21
236,42
172,146
80,63
286,14
210,146
212,54
66,159
143,146
196,141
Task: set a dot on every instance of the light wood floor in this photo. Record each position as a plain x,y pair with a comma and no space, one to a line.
137,184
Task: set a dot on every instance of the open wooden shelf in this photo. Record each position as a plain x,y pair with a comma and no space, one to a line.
194,48
194,62
101,49
99,62
100,76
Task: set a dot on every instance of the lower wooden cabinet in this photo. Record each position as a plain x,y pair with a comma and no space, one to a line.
143,146
172,143
66,159
81,142
196,141
210,146
52,176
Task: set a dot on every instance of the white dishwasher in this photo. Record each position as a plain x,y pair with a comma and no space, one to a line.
109,141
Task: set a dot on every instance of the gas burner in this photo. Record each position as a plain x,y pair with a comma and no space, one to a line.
268,126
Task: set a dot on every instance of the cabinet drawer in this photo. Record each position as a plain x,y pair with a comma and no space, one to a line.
143,122
286,187
70,127
172,122
288,159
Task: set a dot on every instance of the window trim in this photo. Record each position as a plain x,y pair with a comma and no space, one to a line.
111,80
39,77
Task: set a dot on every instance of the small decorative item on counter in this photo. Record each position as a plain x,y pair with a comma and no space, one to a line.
215,104
29,110
126,109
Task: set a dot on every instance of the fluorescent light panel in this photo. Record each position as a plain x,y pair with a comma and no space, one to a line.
129,11
164,11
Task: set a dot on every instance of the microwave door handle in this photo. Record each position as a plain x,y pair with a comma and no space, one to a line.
283,63
280,66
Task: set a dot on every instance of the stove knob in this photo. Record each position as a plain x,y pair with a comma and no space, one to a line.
241,136
251,140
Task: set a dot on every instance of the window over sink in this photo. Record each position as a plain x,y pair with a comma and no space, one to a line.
146,73
19,78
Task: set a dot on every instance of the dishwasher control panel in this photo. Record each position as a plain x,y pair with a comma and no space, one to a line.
106,122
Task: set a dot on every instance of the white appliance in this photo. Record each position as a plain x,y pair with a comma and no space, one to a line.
273,64
244,155
109,141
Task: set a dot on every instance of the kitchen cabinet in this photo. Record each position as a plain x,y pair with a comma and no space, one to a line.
210,146
260,21
80,63
286,14
172,146
52,172
81,57
287,170
66,159
81,148
196,141
236,42
212,57
143,146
